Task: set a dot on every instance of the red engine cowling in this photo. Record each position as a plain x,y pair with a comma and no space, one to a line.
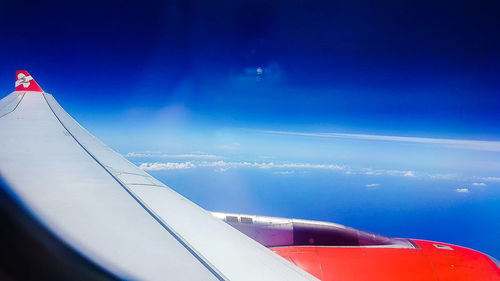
428,261
334,252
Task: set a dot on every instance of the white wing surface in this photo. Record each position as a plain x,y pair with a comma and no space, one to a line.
110,211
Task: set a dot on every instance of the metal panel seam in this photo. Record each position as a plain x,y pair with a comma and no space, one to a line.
179,239
15,106
430,262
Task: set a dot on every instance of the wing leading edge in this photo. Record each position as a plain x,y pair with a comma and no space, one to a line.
112,212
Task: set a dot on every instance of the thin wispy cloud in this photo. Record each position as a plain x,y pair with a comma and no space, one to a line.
372,185
478,184
443,176
166,166
266,157
269,165
381,172
455,143
284,172
165,155
409,174
490,179
462,190
230,146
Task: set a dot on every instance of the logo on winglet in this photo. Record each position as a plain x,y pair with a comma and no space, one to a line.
24,80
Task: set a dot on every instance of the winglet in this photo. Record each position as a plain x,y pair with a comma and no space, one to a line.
25,82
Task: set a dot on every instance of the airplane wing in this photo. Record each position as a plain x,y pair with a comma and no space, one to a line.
111,212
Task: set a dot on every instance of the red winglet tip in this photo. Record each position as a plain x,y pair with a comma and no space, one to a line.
25,82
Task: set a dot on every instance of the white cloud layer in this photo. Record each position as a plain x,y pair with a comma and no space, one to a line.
462,190
289,168
372,185
224,165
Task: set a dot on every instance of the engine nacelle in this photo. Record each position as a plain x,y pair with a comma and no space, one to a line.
332,251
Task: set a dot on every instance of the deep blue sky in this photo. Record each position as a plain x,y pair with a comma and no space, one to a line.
433,65
205,82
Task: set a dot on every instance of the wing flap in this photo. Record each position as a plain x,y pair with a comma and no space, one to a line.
10,102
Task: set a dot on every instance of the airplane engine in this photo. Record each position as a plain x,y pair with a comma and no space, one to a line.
332,251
